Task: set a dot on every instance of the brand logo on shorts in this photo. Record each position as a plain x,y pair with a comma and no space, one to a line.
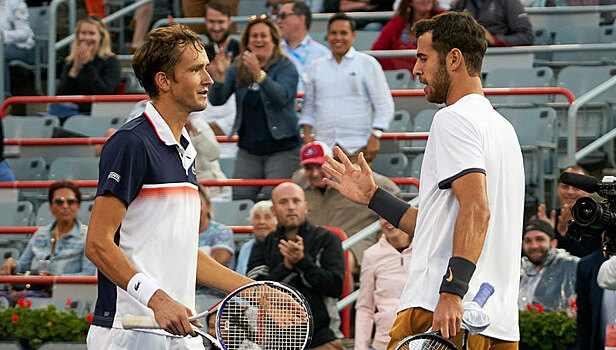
137,286
114,176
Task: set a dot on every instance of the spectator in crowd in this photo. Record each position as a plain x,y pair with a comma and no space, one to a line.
341,91
263,222
382,279
265,83
90,69
198,8
327,207
218,24
215,240
596,307
57,249
306,257
294,20
208,152
141,24
547,274
397,34
17,36
559,218
505,22
6,174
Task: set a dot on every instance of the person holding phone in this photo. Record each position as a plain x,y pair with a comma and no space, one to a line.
264,81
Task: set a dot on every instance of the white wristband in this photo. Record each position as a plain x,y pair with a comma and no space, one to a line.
141,288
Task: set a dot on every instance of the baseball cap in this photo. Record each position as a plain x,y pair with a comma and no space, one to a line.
314,153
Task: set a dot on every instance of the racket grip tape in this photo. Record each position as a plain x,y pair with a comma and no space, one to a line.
485,292
144,322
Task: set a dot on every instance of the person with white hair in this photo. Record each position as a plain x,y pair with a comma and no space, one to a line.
263,222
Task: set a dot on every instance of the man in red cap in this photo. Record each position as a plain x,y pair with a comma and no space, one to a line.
327,207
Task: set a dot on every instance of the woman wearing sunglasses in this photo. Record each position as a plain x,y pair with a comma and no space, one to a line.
58,248
265,84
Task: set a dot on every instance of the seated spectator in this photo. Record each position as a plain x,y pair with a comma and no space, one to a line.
382,279
307,257
57,249
90,69
17,36
265,83
505,21
327,207
547,275
397,34
263,222
559,218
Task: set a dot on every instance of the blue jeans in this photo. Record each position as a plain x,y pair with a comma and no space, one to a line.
12,52
6,174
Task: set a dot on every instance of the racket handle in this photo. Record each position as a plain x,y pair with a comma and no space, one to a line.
485,292
131,321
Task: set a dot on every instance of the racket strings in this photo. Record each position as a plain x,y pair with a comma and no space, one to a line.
260,319
424,344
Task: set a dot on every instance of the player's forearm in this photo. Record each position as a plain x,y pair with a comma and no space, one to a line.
212,274
408,221
110,260
470,231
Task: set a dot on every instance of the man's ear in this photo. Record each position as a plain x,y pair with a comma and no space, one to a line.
455,59
162,81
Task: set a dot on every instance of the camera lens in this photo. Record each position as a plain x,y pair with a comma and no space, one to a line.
586,211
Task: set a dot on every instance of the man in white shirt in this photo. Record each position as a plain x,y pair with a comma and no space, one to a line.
342,90
294,20
468,228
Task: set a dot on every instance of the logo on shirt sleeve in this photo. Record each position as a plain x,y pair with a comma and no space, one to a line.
114,176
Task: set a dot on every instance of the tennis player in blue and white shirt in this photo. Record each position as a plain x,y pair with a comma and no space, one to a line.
143,233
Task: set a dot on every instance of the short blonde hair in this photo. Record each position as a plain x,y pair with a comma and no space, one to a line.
104,47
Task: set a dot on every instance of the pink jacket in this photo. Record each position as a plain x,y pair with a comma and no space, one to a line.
382,277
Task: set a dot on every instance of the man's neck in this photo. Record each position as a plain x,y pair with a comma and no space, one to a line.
175,118
399,242
463,86
223,44
290,234
296,39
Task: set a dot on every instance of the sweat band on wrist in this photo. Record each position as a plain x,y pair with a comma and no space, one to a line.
390,207
457,277
141,288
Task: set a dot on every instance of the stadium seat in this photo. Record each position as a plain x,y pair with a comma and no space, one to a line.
251,7
320,37
232,213
519,77
75,168
585,35
390,164
227,165
581,79
400,121
414,169
15,213
398,79
421,123
29,169
131,83
536,129
364,39
9,345
29,127
93,126
85,210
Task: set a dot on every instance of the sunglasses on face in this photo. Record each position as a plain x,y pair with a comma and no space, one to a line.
254,18
284,15
61,200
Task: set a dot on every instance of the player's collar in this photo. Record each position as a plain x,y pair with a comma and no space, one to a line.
161,127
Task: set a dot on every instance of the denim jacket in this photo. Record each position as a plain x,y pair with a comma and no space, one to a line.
69,258
277,91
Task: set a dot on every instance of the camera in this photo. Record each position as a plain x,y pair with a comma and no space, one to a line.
590,216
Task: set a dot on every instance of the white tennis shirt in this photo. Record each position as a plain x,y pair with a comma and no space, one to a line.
470,136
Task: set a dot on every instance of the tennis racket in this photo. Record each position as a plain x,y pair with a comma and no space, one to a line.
470,320
259,315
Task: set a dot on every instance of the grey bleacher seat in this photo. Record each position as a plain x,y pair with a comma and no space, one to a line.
364,39
29,169
581,79
75,168
320,37
39,22
421,123
519,77
400,122
29,127
10,345
414,168
251,7
132,85
63,346
398,79
15,213
227,165
585,35
390,164
232,213
85,210
93,126
536,129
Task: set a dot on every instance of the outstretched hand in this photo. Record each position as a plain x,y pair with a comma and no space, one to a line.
356,184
